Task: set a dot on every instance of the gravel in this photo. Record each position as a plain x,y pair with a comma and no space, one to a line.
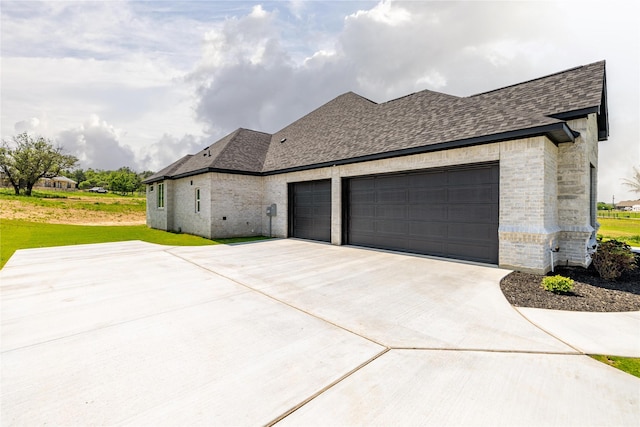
590,292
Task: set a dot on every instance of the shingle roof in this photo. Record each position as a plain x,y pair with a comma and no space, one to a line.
352,128
242,150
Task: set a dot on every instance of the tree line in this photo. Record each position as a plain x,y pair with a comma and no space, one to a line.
124,180
25,159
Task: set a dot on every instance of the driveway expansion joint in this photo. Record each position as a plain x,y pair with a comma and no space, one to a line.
325,389
546,331
264,294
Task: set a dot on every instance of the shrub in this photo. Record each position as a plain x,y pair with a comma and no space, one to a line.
613,258
557,284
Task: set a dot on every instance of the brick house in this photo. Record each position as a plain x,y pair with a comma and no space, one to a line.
500,177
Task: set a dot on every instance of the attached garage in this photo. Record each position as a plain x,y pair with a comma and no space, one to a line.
310,210
450,212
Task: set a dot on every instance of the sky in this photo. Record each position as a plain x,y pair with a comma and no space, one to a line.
140,84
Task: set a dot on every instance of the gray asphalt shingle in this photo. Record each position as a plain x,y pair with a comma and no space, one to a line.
351,126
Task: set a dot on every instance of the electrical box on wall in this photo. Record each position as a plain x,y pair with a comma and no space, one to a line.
272,210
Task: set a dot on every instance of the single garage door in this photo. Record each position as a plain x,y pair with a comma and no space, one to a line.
310,210
449,212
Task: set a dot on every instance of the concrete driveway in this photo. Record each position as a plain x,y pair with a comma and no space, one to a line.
293,333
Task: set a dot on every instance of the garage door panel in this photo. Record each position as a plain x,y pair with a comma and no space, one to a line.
470,232
478,175
310,210
471,213
363,226
362,197
392,182
362,184
391,196
417,179
480,253
428,230
427,212
391,211
363,211
323,198
431,247
446,212
427,195
470,194
391,227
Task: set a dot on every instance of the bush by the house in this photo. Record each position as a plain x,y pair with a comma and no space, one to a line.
557,284
613,258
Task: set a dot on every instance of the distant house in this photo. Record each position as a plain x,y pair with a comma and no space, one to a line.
629,205
501,177
56,183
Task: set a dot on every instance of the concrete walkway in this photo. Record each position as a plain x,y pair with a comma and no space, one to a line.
298,333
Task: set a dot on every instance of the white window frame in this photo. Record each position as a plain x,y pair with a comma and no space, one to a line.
197,200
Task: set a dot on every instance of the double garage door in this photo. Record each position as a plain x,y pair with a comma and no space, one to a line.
449,212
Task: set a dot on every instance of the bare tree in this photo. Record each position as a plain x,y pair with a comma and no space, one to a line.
25,160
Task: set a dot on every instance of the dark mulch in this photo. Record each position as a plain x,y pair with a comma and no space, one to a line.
590,292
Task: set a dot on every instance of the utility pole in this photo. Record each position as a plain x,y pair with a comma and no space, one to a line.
613,201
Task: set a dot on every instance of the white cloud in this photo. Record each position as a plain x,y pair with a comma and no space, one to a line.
386,13
27,125
97,144
168,149
169,72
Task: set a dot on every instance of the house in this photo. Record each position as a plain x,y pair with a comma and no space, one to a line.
56,183
628,205
502,177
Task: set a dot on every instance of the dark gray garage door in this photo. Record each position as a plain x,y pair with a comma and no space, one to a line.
445,212
310,210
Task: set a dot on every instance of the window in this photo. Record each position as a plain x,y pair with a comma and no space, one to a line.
197,200
161,195
151,188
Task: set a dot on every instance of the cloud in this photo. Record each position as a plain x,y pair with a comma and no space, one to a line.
97,145
201,69
27,125
168,149
250,76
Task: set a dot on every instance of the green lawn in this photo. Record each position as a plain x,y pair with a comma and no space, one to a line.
627,364
624,229
112,203
16,234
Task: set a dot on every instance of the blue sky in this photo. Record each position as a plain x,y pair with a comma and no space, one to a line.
143,83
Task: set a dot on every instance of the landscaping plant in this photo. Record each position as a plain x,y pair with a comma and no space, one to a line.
557,284
613,258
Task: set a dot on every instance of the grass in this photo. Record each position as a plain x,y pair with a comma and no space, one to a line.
112,203
629,365
626,230
17,234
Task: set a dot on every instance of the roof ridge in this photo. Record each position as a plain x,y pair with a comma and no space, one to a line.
227,143
253,130
537,78
419,92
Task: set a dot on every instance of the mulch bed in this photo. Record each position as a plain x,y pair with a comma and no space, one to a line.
590,292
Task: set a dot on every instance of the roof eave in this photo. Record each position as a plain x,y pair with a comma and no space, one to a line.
556,132
200,172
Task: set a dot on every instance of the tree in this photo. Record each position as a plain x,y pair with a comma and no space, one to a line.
28,159
124,180
78,175
633,183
